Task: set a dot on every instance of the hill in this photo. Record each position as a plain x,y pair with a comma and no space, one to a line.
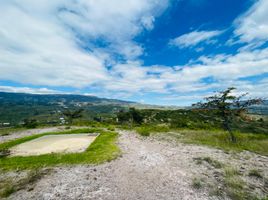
15,107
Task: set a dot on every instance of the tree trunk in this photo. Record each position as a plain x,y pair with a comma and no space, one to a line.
226,126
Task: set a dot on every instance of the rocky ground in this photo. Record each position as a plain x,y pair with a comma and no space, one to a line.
151,168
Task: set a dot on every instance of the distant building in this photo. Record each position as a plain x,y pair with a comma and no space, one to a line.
5,124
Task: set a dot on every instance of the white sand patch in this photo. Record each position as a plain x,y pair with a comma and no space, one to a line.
66,143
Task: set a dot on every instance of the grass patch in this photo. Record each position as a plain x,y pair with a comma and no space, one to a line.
7,190
7,131
143,131
103,149
212,162
10,186
197,183
235,186
257,143
255,173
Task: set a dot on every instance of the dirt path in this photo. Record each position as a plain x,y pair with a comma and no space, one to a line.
148,169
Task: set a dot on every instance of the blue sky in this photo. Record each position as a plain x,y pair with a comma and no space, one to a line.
168,52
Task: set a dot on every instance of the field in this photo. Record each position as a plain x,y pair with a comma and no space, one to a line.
101,150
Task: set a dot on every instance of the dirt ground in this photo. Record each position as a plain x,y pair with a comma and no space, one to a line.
150,169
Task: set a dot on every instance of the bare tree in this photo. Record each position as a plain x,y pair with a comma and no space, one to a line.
227,106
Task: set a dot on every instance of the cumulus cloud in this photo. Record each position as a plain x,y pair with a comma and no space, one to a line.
223,70
77,43
194,38
54,43
253,26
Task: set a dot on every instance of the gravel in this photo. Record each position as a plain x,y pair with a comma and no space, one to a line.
149,169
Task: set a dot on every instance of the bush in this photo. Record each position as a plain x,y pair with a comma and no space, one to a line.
143,131
30,123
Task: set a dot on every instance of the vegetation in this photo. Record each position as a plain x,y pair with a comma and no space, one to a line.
227,106
257,143
210,161
143,131
8,130
197,183
30,123
73,114
7,187
235,186
101,150
255,173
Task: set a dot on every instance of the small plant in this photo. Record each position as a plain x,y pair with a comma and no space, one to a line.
255,173
143,131
7,190
212,162
111,128
30,123
10,186
235,186
197,183
4,153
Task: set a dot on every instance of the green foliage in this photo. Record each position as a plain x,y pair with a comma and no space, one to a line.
123,116
255,173
257,143
73,114
30,123
133,116
7,190
136,116
210,161
143,131
10,186
235,186
7,131
103,149
227,106
197,183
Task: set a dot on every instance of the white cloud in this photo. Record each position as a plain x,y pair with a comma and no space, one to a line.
40,44
225,70
253,26
40,41
194,38
28,90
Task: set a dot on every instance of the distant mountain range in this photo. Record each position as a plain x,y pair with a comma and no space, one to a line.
48,108
261,109
67,99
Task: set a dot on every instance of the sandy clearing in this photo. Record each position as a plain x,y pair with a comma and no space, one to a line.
66,143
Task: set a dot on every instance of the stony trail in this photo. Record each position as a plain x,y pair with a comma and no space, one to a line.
148,169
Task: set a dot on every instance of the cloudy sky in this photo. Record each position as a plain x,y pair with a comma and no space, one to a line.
170,52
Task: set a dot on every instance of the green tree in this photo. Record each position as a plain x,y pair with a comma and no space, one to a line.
227,106
30,123
73,114
123,116
136,116
133,116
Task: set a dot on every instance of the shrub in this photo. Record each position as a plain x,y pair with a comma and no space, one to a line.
143,131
